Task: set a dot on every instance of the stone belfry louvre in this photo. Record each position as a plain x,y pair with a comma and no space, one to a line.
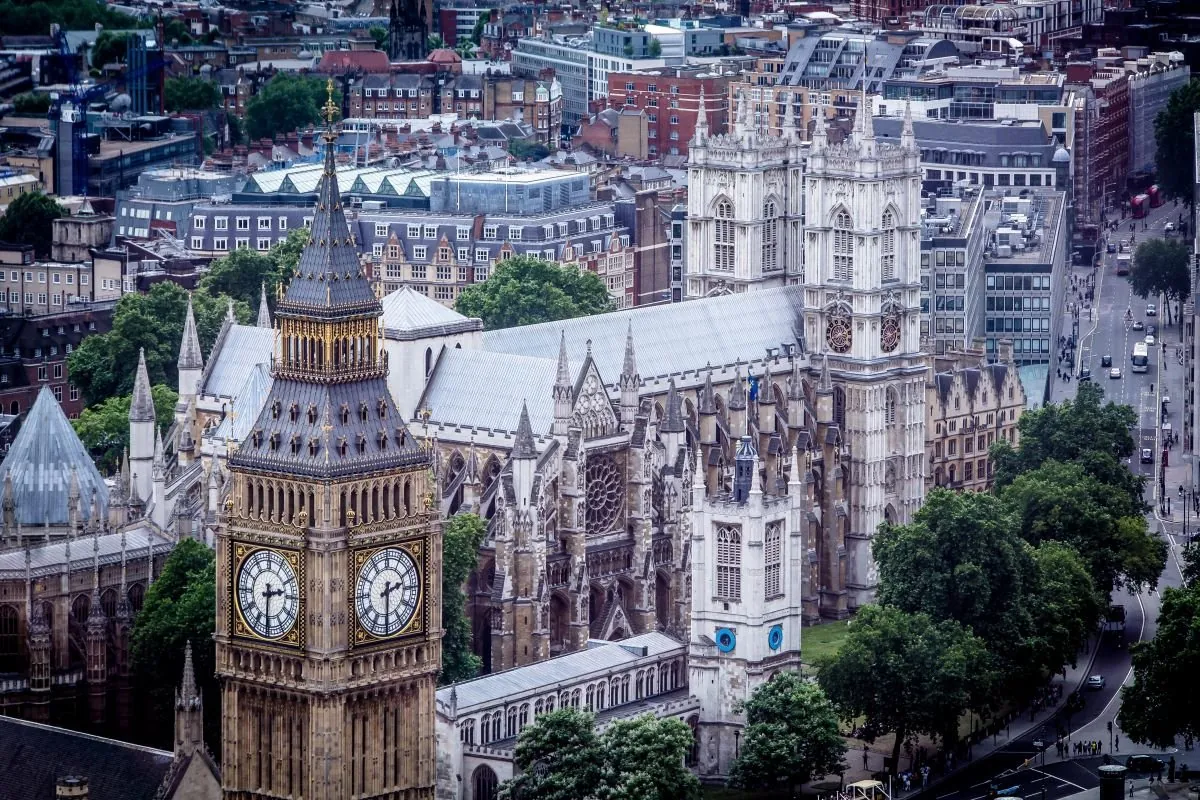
328,555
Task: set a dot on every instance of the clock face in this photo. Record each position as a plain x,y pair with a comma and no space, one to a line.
387,592
838,333
889,334
268,593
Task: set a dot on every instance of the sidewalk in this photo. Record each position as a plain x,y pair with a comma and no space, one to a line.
1021,725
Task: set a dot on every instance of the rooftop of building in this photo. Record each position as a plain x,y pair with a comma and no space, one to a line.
1042,221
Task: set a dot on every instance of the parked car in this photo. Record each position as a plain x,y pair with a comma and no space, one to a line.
1151,310
1147,455
1138,325
1106,361
1150,340
1144,763
1151,328
1095,682
1085,374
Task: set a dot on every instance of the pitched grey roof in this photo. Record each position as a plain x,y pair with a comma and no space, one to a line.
597,659
407,312
487,389
46,559
33,757
247,404
731,328
40,461
239,351
141,407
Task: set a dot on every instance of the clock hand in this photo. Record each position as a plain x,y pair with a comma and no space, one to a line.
387,600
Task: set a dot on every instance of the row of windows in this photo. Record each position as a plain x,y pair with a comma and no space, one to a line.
1018,325
420,272
497,725
990,180
241,223
981,468
55,277
1018,282
514,233
1017,304
943,281
56,299
221,243
729,562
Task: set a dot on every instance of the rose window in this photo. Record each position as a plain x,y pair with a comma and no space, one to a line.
605,493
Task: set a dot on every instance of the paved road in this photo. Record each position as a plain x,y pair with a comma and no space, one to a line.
1103,332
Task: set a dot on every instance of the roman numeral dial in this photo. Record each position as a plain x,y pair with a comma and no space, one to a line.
268,594
387,592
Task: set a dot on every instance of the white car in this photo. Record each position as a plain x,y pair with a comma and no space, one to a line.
1150,340
1151,310
1169,227
1114,373
1095,682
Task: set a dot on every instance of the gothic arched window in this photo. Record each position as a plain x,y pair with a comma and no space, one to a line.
773,561
485,783
10,640
839,406
723,238
843,247
770,241
729,563
887,247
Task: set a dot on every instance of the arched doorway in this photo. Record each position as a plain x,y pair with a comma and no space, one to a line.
560,622
484,783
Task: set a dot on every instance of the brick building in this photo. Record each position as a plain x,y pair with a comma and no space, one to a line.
1101,147
669,97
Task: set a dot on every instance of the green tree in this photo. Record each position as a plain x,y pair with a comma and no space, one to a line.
655,48
175,30
287,103
962,559
1160,266
645,757
523,290
380,34
30,220
23,18
559,757
109,48
791,736
1066,606
435,42
1084,431
104,428
102,365
32,103
191,94
180,607
525,150
241,275
907,674
1063,503
461,539
286,254
465,48
1162,702
1173,131
484,18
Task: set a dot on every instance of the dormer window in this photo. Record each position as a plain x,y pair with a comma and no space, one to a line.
312,414
382,408
294,412
276,407
345,413
256,437
342,446
314,446
401,437
361,444
383,440
274,440
295,441
362,412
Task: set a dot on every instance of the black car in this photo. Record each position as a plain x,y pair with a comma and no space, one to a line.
1112,247
1151,329
1085,374
1106,361
1144,763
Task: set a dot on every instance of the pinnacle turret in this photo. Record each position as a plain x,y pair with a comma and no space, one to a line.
523,446
190,356
673,421
737,393
141,409
264,313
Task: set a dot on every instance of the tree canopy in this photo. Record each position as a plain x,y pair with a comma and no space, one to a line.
23,18
110,47
191,94
561,757
102,366
104,428
461,538
1175,150
30,220
287,103
523,290
180,607
1066,605
907,674
34,103
380,34
791,736
1160,266
1162,702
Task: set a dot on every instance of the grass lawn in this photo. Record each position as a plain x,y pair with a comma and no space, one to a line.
822,640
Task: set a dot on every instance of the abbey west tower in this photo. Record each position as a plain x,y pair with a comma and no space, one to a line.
328,557
861,308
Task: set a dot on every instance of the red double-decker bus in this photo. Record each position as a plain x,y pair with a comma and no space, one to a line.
1139,206
1156,197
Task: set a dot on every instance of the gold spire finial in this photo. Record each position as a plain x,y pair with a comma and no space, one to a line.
330,109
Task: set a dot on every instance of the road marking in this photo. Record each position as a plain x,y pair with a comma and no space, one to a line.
1064,780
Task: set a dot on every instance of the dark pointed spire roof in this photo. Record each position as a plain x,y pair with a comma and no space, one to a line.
190,356
766,395
524,447
563,376
737,393
826,384
708,398
673,423
187,688
629,366
264,313
329,281
141,408
40,463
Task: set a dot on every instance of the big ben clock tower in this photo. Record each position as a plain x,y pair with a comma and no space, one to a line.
328,556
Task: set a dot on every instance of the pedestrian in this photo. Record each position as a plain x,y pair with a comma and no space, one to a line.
1117,743
864,756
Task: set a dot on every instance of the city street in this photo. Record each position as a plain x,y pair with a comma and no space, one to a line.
1104,331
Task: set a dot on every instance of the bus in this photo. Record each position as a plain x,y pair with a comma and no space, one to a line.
1123,262
1140,358
1139,206
1156,196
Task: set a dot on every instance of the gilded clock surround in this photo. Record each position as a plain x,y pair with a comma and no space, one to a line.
360,637
238,626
